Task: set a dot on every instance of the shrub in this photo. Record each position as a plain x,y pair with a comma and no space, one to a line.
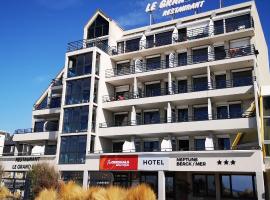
46,194
96,193
43,176
71,191
4,192
141,192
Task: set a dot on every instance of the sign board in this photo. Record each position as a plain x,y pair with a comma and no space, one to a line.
119,162
24,163
153,163
171,7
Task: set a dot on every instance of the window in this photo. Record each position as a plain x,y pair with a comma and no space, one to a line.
153,63
199,144
100,27
42,104
78,91
182,86
266,106
218,27
117,147
150,41
220,81
200,84
73,149
92,144
152,90
50,149
97,63
123,68
222,112
183,115
220,53
224,143
242,78
182,59
183,145
200,113
266,128
200,55
238,186
80,65
133,45
204,185
182,34
149,146
55,102
75,119
235,110
121,119
163,38
151,117
76,176
39,126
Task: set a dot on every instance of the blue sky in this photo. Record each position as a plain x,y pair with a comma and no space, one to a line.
33,39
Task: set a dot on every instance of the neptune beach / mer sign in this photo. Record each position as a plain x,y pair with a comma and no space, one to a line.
178,6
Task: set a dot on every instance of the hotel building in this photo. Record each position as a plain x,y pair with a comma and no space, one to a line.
183,105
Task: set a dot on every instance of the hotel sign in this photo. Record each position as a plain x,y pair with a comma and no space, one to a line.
153,163
171,7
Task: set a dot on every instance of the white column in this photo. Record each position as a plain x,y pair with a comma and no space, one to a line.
209,78
209,143
85,179
171,59
135,88
166,144
175,35
170,90
209,109
133,116
169,113
211,27
161,186
138,65
260,185
210,53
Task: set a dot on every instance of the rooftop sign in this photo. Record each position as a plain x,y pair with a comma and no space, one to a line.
174,6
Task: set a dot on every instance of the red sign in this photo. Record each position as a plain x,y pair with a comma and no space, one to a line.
121,162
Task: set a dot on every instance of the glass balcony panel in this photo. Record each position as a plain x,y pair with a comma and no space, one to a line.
153,63
123,68
199,144
222,112
182,86
133,45
152,90
150,146
163,38
183,115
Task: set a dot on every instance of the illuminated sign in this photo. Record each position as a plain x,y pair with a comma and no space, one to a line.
121,162
174,6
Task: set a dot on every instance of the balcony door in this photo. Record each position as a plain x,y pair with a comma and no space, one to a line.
200,55
200,83
153,63
243,78
200,113
152,90
235,110
121,119
222,112
151,117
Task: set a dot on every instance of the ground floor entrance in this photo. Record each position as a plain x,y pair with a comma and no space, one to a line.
183,185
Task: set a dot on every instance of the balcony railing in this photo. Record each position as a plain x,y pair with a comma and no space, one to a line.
54,104
162,150
188,35
31,130
181,89
83,44
187,118
188,60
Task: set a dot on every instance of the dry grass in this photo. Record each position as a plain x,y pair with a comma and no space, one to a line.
4,192
71,191
47,194
141,192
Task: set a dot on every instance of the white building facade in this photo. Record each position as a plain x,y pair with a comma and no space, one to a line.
181,105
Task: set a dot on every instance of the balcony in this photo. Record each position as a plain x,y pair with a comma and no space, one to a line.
30,134
83,44
182,36
223,84
187,60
